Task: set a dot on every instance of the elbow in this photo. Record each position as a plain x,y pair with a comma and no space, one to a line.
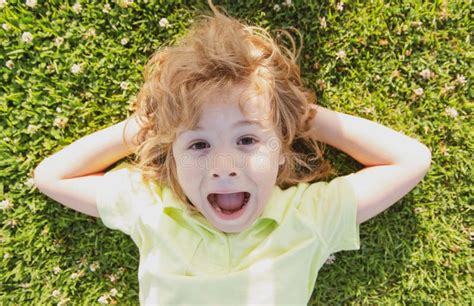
422,160
37,175
419,158
426,156
40,174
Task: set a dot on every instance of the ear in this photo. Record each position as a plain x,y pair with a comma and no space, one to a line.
282,159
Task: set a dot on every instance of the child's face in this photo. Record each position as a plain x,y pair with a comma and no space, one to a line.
220,158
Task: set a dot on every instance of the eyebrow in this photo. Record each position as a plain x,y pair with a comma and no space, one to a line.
235,125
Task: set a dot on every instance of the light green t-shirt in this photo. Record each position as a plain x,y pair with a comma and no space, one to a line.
185,260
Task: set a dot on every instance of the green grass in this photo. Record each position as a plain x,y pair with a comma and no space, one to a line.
418,251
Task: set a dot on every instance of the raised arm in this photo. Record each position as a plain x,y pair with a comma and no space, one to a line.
72,175
395,163
90,154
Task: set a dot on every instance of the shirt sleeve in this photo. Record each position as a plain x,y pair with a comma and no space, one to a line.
122,197
332,208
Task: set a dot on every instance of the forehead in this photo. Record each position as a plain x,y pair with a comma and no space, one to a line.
222,105
255,106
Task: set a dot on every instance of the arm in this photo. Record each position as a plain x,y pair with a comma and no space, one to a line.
73,175
90,154
395,163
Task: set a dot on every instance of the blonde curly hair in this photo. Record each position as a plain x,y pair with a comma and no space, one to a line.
219,52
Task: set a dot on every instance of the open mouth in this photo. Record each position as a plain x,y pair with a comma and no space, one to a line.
229,205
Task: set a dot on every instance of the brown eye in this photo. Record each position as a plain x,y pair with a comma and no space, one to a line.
249,140
192,147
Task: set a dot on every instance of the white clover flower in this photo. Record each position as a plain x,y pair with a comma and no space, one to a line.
31,3
63,302
82,261
418,210
32,128
60,122
6,255
124,3
10,64
417,24
58,41
340,54
94,266
427,74
460,79
276,7
106,8
452,112
331,259
5,204
56,270
340,6
447,88
124,41
164,22
124,85
74,275
6,27
321,84
56,293
90,32
322,21
2,3
51,67
113,292
76,68
6,139
27,37
418,91
112,278
369,109
103,299
11,222
286,3
30,183
58,109
77,8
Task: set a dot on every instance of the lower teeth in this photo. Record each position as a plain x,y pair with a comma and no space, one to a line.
228,212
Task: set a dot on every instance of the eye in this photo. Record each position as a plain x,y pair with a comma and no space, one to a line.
197,143
249,138
198,146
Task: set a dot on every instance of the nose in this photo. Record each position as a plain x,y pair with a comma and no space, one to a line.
224,170
215,174
224,165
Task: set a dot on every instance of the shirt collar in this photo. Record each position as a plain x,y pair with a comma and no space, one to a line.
274,210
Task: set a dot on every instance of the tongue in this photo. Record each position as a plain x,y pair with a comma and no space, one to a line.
230,201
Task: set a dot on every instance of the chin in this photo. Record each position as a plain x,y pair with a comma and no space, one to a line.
231,229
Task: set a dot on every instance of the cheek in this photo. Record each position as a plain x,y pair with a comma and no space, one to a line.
263,162
187,163
186,167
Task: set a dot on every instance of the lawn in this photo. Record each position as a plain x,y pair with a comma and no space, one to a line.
72,68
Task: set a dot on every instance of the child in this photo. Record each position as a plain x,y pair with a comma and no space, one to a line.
224,199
